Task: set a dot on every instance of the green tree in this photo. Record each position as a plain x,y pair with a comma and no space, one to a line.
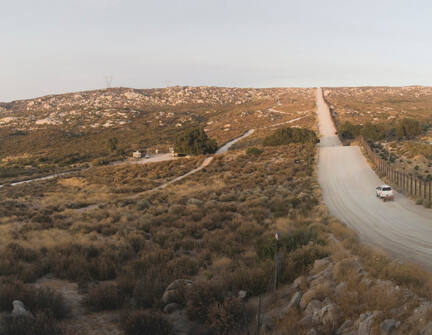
373,132
349,130
194,142
408,128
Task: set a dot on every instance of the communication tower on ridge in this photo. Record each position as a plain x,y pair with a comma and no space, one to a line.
108,80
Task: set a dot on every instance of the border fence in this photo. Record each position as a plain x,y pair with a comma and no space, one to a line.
409,184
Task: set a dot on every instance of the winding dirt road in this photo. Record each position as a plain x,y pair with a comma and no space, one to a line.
223,149
348,184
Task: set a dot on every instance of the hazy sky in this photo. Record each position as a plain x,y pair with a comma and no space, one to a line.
55,46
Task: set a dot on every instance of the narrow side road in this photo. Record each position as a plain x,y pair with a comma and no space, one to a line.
348,185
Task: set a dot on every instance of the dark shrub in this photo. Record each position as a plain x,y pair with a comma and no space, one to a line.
48,301
10,291
227,317
253,279
253,151
408,128
42,324
104,297
284,136
349,131
299,261
149,289
373,132
287,242
143,322
200,297
35,299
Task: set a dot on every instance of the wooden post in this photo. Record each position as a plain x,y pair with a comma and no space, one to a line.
410,185
430,197
259,320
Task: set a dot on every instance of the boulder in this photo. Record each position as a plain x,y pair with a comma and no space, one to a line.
329,315
347,328
387,326
19,310
294,303
325,275
366,321
300,283
341,289
317,292
321,264
172,291
311,315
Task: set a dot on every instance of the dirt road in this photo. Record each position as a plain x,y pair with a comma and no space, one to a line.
223,149
348,184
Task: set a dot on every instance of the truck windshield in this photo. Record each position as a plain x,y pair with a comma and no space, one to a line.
386,189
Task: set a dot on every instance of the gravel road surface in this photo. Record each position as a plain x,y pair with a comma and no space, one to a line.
348,184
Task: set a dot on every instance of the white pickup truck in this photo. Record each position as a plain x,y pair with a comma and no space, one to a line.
385,192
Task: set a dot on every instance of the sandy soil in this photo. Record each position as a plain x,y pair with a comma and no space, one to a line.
348,184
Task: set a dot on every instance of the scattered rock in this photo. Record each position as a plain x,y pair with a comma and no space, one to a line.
387,326
172,307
